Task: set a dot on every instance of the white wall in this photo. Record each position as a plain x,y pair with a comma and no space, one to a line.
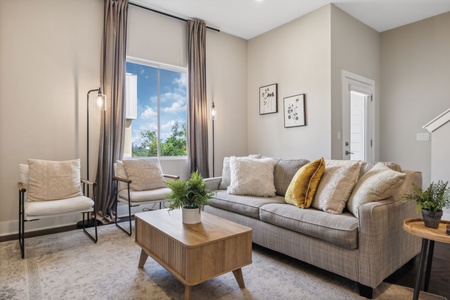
297,57
50,52
355,47
415,72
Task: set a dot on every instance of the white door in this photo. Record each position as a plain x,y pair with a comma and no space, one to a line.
357,108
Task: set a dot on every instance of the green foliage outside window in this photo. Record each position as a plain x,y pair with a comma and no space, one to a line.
175,145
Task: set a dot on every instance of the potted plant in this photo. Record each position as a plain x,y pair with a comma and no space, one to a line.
431,202
190,196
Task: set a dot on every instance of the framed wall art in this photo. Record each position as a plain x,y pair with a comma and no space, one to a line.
294,111
268,99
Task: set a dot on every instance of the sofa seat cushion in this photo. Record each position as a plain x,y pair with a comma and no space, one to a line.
340,230
243,205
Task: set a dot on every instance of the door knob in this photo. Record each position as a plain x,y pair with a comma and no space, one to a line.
348,152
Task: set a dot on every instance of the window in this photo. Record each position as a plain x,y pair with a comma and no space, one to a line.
156,99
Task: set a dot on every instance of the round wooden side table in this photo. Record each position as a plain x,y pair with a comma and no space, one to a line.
429,236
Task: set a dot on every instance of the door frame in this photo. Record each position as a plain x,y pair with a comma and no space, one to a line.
358,83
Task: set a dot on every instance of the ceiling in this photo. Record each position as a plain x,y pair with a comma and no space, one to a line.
250,18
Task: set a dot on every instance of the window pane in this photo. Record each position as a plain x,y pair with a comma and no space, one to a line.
173,113
156,88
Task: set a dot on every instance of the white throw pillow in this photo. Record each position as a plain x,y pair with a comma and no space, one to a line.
252,177
226,174
144,173
53,180
336,185
378,183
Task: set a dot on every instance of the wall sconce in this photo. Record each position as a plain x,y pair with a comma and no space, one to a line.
213,118
101,102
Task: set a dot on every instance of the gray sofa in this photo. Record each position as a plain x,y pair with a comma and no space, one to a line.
366,249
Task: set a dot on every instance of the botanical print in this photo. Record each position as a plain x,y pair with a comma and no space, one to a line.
294,111
268,99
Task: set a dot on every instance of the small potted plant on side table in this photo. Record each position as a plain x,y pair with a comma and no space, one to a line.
190,196
431,202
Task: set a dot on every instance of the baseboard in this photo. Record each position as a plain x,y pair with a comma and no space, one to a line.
12,227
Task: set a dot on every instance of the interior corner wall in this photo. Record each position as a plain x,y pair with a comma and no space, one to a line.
415,72
296,56
50,58
162,39
355,47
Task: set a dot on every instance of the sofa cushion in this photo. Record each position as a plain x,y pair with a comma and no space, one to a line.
243,205
341,230
145,173
284,171
336,185
378,183
53,180
226,173
303,186
252,176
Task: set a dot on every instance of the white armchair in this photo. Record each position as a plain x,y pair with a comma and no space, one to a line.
139,181
53,188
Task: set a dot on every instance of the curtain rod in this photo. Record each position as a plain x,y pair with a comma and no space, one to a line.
168,15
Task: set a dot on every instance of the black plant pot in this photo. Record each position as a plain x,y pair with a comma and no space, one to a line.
431,218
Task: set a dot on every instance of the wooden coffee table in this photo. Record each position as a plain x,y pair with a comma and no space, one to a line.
197,252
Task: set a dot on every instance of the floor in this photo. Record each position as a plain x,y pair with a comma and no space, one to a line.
440,272
406,276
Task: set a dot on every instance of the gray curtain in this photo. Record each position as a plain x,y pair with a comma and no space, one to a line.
198,111
113,119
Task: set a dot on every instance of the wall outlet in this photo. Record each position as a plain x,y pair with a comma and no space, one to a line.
425,136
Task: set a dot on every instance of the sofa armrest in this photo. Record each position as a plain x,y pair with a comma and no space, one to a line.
212,183
383,244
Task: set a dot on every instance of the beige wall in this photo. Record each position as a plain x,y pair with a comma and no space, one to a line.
297,57
50,54
415,72
49,57
355,47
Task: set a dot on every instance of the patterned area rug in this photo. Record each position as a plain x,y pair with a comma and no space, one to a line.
70,266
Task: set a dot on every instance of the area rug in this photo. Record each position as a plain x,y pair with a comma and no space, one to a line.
68,265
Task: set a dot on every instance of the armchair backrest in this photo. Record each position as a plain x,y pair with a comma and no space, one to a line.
144,173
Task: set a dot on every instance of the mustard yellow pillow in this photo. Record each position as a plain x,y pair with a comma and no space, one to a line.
304,184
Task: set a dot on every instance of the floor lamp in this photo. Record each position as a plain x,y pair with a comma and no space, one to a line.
101,102
213,118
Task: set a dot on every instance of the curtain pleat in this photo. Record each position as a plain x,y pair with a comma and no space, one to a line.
113,119
198,111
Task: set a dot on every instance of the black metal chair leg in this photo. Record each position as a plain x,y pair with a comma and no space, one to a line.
129,212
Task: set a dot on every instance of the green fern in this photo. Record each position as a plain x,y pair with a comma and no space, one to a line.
434,198
188,194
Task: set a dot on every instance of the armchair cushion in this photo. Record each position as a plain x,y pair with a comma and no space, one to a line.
53,180
145,173
144,196
35,209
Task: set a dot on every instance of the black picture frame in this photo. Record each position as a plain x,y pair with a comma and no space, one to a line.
268,99
294,111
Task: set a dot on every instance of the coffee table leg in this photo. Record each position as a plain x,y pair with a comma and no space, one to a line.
239,278
187,292
142,259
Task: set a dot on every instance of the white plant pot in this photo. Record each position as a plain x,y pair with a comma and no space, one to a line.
191,215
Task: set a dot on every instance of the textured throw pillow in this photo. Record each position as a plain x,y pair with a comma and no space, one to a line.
336,185
23,170
53,180
378,183
144,173
303,186
226,174
365,167
119,171
284,171
251,176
